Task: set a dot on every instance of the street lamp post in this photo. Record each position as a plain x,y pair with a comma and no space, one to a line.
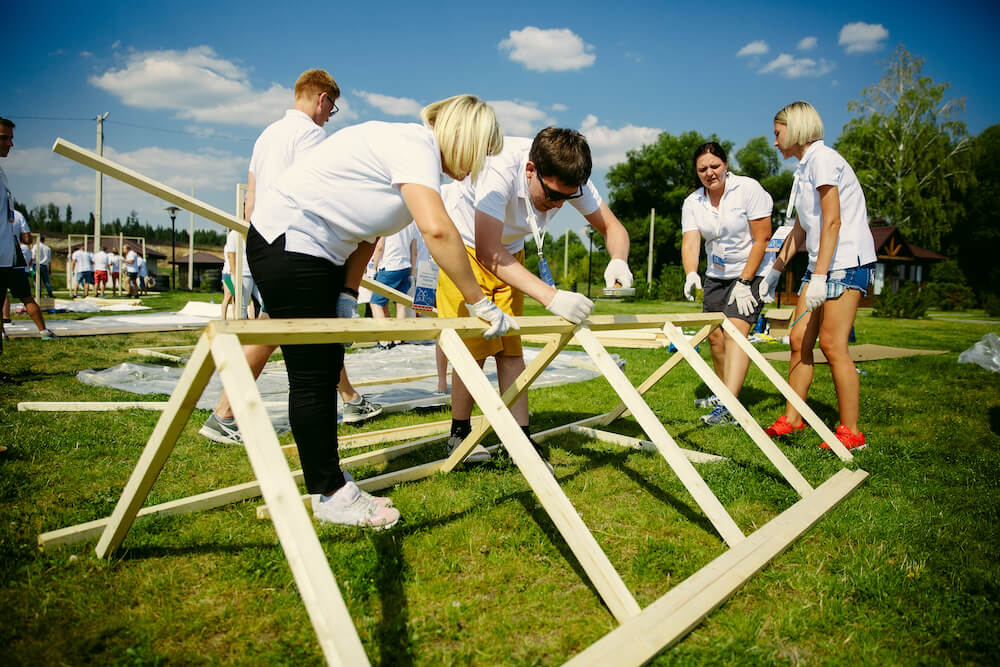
172,210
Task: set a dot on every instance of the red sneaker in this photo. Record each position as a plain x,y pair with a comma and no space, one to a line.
850,440
781,426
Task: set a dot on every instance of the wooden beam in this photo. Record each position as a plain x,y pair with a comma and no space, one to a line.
644,445
137,180
579,539
669,449
675,614
161,443
736,409
317,586
104,406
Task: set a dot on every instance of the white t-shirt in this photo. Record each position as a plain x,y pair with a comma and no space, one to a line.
280,144
44,255
140,262
83,261
12,227
100,261
232,241
134,266
822,165
346,190
501,191
726,229
396,249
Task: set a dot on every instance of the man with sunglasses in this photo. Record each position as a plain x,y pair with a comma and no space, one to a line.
518,192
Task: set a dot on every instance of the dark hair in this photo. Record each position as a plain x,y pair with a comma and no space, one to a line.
4,122
712,147
563,154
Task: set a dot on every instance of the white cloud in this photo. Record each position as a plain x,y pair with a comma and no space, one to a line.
860,37
794,68
755,48
520,119
86,54
807,44
197,85
608,146
394,106
559,107
555,50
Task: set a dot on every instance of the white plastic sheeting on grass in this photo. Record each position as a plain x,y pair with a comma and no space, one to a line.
985,353
362,366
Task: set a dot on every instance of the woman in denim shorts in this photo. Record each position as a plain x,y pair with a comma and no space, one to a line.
831,219
733,215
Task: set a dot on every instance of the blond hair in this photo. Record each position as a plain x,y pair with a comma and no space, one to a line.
467,132
803,123
316,81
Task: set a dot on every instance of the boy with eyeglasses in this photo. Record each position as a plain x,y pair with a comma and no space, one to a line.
518,192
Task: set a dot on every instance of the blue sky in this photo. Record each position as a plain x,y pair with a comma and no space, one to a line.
189,85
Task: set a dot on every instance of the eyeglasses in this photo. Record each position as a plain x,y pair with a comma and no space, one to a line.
334,109
555,195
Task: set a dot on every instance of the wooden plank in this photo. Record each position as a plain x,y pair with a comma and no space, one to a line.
182,402
786,390
644,445
104,406
317,586
736,409
579,539
675,614
669,449
155,188
510,396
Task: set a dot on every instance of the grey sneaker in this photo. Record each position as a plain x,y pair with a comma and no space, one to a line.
47,335
707,403
226,432
718,415
351,413
477,455
350,506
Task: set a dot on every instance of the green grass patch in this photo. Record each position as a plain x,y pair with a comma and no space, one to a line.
904,571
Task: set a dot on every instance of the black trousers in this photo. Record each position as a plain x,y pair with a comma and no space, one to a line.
295,285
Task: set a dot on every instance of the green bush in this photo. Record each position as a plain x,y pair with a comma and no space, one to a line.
670,287
992,305
642,290
950,296
908,303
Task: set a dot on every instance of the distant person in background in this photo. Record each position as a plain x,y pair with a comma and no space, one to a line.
100,271
396,258
14,229
83,270
733,215
132,271
114,270
248,286
831,218
141,274
44,262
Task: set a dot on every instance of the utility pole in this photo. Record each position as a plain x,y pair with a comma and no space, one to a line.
100,183
191,248
649,262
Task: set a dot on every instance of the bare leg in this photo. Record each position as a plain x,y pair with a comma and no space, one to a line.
256,356
508,368
442,369
34,312
717,342
838,318
6,307
737,361
345,388
800,367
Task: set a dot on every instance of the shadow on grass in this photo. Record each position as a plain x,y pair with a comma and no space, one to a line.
995,419
392,636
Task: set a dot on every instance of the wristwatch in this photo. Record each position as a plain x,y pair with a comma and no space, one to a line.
744,281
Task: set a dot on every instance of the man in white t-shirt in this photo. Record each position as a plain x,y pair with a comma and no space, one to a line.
396,260
280,144
44,261
518,192
132,271
249,288
114,271
100,271
83,270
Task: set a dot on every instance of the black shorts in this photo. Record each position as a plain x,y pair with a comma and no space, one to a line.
15,279
716,298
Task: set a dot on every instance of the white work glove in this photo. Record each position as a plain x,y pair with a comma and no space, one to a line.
693,280
617,274
570,306
768,283
347,306
741,294
501,321
815,292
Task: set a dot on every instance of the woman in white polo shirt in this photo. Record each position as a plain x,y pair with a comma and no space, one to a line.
832,220
365,181
733,215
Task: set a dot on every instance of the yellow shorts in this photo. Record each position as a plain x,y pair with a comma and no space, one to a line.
451,303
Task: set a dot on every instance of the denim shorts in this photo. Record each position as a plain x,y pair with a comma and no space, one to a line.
839,281
398,280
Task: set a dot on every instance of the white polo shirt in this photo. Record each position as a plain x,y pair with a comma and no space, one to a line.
726,229
83,261
232,240
346,190
396,249
100,261
822,165
10,230
44,255
280,144
130,256
501,191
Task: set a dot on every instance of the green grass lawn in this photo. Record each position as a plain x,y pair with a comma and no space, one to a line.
903,572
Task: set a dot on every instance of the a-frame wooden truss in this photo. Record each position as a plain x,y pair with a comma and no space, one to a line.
642,632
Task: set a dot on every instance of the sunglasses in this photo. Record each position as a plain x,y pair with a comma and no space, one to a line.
333,104
555,195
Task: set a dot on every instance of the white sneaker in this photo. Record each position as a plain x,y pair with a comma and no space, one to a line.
478,454
381,501
350,506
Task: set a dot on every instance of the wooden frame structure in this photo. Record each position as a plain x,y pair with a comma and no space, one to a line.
220,348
